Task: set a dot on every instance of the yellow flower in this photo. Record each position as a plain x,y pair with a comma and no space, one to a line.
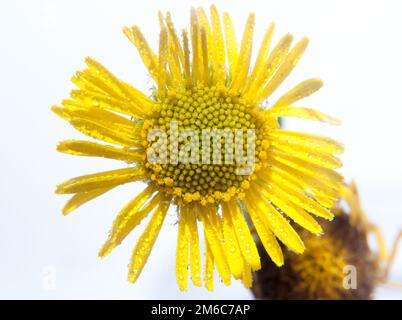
213,88
339,265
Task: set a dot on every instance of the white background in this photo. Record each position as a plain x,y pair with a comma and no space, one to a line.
355,47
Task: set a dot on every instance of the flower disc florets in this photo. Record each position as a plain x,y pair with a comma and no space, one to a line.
208,144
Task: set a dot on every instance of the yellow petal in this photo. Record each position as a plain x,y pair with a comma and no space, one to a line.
195,256
305,113
195,42
174,65
139,101
217,224
231,43
161,19
132,96
145,243
311,141
107,77
97,125
325,201
163,58
209,266
232,248
313,184
264,232
262,56
204,54
100,180
247,277
297,214
186,50
130,217
174,38
81,198
218,48
92,149
321,159
302,90
274,60
147,55
284,70
182,251
214,240
133,108
243,63
294,193
243,234
77,110
88,80
108,134
204,24
276,222
327,177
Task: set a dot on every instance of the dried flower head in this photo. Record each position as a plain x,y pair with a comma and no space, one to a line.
338,265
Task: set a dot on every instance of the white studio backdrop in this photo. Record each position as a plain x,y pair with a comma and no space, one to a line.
355,48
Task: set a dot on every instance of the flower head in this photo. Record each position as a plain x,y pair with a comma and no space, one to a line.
338,265
204,142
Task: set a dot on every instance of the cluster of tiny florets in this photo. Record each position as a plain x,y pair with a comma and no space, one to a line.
205,108
321,267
